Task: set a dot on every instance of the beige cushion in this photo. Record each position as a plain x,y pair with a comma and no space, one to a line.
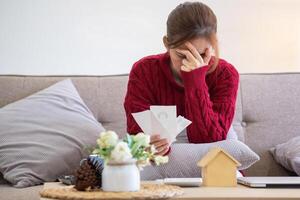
45,135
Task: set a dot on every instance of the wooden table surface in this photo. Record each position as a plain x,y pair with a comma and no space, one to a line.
222,193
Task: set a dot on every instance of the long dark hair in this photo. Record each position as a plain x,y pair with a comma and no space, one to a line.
190,20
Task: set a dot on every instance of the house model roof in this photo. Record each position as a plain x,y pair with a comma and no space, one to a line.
211,155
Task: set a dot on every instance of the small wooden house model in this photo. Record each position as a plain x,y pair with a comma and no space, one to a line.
218,169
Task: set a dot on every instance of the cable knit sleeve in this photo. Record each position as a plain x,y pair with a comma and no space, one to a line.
138,97
211,116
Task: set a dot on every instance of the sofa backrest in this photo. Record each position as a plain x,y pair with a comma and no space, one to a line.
267,112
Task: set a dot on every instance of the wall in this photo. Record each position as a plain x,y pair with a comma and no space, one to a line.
96,37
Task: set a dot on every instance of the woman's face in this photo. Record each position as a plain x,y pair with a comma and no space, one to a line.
200,43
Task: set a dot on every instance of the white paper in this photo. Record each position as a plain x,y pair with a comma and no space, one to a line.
161,120
166,115
182,123
143,118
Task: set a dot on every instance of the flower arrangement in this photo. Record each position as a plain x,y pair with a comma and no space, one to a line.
132,147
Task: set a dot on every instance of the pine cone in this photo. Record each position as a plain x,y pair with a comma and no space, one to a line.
89,173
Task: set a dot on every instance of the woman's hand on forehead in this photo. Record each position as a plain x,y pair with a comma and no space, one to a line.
193,59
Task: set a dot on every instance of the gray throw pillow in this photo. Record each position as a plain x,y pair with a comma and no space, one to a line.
44,135
288,154
184,157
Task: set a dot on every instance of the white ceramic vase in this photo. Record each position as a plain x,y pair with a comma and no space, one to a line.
121,177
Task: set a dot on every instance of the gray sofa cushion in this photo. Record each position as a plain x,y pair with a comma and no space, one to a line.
288,154
183,159
43,136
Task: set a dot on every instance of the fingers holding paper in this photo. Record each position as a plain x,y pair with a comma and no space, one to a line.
162,124
160,144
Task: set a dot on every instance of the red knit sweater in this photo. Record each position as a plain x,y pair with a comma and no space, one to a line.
207,100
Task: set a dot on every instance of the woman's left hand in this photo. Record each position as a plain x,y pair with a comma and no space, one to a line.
193,59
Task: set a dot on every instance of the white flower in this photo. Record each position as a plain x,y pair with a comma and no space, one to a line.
142,139
107,139
161,159
121,152
143,163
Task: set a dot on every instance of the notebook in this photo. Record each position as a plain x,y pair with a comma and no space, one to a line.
271,181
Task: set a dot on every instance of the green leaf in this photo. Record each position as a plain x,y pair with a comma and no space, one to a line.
135,149
128,139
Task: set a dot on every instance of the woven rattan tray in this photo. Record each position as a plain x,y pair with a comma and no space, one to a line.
147,191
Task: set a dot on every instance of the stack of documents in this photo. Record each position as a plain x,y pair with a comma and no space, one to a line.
161,120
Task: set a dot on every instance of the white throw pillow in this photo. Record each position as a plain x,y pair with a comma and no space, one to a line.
288,154
231,134
184,157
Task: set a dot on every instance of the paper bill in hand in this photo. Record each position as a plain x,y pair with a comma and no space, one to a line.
161,120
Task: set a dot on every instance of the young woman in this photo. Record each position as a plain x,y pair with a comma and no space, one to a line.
189,75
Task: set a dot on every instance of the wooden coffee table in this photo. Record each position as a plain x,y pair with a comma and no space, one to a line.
220,193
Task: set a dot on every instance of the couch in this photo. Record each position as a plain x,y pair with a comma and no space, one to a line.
267,113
